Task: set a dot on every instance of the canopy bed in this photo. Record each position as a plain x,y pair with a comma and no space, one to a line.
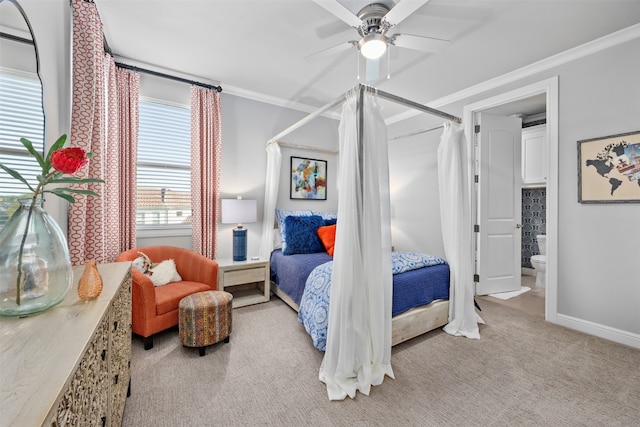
360,329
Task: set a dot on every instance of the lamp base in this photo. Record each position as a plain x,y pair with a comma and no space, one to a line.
239,244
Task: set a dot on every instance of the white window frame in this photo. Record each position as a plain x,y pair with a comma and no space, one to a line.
162,230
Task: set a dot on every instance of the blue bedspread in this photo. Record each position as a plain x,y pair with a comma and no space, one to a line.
290,272
418,280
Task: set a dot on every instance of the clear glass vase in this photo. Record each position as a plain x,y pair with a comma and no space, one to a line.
35,267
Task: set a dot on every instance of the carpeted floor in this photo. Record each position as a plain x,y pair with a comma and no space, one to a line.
523,371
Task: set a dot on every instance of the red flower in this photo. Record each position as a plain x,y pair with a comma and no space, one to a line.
69,160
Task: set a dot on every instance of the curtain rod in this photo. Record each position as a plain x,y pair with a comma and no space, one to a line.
417,106
168,76
380,93
406,135
306,147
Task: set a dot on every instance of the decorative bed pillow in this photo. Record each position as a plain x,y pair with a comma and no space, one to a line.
302,236
327,235
277,239
327,215
143,263
164,272
281,214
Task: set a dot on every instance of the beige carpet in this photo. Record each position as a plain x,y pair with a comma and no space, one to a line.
523,371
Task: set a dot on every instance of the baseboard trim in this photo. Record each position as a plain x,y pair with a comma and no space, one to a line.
598,330
528,271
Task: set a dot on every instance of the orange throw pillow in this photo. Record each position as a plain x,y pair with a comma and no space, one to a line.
327,235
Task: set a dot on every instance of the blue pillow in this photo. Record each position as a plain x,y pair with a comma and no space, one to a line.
281,214
330,221
302,235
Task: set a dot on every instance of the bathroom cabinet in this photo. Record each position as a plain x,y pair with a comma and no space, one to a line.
534,155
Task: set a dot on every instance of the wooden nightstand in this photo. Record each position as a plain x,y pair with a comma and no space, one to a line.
248,280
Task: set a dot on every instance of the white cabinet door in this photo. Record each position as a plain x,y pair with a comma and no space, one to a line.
534,154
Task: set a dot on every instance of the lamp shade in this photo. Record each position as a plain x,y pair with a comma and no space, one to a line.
239,211
373,46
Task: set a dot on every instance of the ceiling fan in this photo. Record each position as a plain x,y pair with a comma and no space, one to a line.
373,23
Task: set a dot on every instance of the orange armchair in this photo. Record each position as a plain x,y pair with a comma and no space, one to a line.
155,308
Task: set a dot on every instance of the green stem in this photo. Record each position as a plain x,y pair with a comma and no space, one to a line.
24,236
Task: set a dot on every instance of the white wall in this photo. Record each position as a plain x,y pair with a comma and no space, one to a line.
415,203
598,287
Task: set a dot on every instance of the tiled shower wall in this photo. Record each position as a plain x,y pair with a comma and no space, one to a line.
534,221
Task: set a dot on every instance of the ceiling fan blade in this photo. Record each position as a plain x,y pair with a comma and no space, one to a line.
402,10
425,44
341,12
331,51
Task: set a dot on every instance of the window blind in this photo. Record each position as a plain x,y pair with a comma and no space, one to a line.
21,116
164,165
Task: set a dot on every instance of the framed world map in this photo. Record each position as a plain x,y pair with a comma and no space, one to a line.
609,169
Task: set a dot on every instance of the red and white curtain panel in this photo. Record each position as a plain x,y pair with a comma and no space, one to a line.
121,160
206,148
86,215
95,229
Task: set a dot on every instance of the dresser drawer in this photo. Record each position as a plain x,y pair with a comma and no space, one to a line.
249,275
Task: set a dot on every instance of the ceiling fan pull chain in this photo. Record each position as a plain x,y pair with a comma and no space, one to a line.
358,60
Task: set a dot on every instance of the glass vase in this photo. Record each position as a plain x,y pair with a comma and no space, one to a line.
35,267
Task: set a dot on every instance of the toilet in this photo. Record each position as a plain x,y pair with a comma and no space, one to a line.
539,262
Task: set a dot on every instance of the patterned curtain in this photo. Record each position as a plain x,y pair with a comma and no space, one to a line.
206,144
104,120
123,88
87,214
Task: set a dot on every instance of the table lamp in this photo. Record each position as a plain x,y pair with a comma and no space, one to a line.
239,211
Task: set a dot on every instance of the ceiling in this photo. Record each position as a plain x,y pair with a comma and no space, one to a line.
260,48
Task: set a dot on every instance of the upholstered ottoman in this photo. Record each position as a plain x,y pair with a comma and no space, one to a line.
205,319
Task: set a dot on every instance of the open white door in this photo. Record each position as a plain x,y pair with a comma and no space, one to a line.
498,237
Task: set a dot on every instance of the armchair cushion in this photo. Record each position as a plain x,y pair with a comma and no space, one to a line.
168,296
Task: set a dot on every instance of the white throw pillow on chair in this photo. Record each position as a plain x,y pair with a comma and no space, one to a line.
164,272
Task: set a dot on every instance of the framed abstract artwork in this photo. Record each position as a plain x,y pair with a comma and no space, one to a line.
609,169
308,179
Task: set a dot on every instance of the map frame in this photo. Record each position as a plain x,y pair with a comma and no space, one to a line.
609,169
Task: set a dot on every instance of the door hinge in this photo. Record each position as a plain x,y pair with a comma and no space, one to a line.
477,129
475,178
476,278
476,228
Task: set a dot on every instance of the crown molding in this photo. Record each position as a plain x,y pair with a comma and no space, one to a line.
586,49
273,100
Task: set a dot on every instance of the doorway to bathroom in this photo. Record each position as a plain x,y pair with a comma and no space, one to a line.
537,200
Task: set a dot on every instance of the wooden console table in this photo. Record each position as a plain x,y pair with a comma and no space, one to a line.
71,364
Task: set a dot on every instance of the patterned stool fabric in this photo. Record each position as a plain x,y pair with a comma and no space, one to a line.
205,319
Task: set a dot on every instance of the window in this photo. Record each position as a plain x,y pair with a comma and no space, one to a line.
164,166
21,116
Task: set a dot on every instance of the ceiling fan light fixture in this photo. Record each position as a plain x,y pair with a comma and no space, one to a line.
373,45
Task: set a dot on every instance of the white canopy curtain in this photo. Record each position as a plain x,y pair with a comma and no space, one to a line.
274,161
358,352
454,181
